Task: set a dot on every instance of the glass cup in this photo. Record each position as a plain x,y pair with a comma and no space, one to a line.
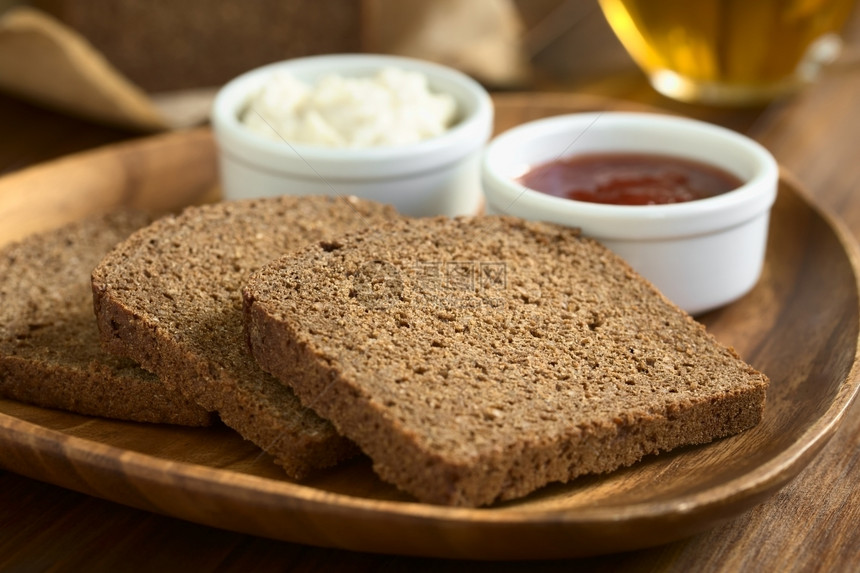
729,52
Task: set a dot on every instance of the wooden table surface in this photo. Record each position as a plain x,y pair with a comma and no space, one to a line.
810,525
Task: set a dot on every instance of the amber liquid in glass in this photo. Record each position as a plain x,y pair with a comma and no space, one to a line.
728,51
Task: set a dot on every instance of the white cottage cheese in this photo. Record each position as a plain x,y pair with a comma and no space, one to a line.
394,107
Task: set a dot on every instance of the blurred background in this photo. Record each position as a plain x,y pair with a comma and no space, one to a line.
163,45
150,65
169,50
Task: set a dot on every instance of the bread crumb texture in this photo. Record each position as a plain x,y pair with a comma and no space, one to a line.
169,297
475,360
49,344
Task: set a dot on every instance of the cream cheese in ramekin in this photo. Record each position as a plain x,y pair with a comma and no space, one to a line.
391,107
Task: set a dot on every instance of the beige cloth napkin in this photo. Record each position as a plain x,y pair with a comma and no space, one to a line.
46,62
483,38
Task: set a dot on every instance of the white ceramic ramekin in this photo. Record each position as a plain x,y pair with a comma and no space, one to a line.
701,254
438,176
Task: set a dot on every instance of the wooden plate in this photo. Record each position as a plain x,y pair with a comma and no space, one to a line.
799,325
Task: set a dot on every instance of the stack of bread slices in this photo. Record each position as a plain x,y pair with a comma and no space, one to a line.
474,360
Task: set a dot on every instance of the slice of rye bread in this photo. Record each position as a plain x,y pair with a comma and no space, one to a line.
170,298
49,344
475,360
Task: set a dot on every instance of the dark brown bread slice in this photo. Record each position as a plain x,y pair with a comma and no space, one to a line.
169,297
49,344
475,360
